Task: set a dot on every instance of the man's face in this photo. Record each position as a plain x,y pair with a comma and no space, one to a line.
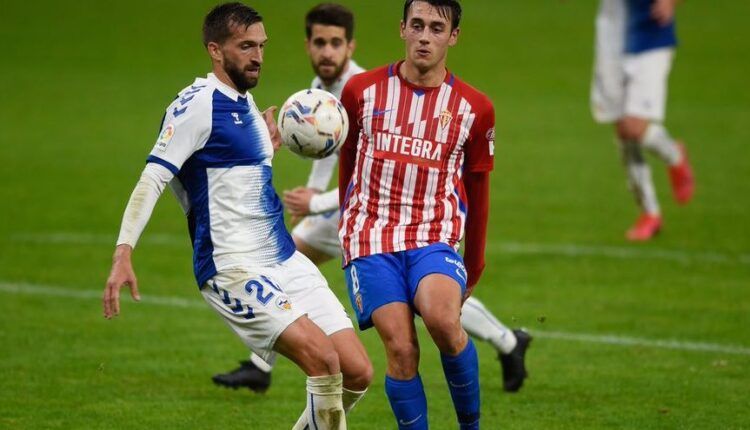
242,55
329,51
427,35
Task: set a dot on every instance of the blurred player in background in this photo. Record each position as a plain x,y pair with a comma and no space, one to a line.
413,176
330,44
215,151
635,43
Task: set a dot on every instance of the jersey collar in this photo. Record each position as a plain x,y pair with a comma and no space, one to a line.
225,89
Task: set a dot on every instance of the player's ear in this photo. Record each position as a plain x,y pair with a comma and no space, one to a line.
350,48
403,30
214,50
454,37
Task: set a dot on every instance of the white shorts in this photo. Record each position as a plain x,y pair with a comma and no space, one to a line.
321,232
632,85
260,303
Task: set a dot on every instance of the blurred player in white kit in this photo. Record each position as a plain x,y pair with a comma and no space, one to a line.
635,43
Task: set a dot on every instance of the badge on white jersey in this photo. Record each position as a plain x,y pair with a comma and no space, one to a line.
164,137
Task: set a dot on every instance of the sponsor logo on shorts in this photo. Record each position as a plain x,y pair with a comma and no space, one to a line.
460,268
358,301
283,303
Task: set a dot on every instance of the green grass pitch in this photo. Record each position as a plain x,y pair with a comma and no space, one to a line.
84,85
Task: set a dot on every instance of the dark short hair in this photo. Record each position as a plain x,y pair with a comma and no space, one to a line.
330,14
449,9
217,27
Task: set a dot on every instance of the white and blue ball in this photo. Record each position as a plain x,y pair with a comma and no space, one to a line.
313,123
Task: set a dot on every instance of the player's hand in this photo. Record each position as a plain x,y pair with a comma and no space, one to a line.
269,116
297,201
663,11
122,274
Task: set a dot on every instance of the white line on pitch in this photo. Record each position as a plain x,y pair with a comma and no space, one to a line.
635,341
619,252
56,291
516,248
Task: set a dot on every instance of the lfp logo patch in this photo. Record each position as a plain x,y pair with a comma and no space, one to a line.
164,137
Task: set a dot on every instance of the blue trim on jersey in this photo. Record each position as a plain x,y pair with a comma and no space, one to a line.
643,32
391,70
452,79
195,182
171,167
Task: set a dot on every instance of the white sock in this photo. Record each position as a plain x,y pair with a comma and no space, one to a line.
657,140
639,177
265,366
349,399
324,409
479,322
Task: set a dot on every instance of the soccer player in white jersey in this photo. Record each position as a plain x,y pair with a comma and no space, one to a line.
330,45
635,42
215,150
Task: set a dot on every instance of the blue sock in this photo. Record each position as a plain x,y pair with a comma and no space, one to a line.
408,402
462,375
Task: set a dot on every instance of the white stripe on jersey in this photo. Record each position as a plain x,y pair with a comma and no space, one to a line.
394,94
369,108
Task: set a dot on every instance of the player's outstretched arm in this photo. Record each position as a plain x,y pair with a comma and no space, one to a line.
151,184
477,186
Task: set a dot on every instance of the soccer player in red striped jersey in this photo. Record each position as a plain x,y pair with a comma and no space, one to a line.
413,177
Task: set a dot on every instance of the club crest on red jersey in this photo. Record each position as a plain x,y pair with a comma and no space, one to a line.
445,118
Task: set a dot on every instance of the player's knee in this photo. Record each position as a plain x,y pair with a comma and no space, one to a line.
447,334
403,358
359,375
630,128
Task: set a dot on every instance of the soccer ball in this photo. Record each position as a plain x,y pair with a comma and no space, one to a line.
313,123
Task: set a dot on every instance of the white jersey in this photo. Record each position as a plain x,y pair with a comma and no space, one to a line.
216,143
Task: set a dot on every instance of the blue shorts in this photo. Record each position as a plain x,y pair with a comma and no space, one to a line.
379,279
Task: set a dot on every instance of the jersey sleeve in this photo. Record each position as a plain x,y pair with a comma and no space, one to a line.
480,149
348,152
185,129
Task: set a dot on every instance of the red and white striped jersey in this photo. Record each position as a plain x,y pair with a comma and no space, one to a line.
407,149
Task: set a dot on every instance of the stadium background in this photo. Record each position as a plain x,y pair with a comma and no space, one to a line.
627,336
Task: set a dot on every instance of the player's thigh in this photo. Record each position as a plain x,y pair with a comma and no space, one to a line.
608,89
375,281
253,306
306,345
310,294
319,233
647,77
